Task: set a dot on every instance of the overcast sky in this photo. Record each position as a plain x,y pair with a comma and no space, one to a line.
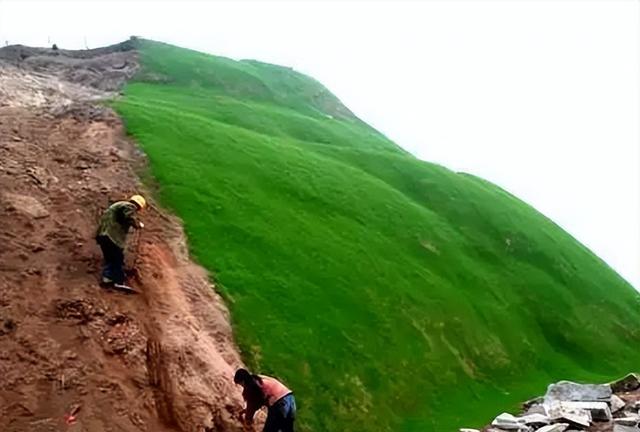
540,97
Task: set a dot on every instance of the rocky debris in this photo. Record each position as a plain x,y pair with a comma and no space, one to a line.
55,80
105,69
627,421
558,427
122,336
532,403
616,403
506,421
573,407
536,420
525,423
561,412
79,310
629,383
621,428
17,53
26,204
570,391
20,88
599,411
83,111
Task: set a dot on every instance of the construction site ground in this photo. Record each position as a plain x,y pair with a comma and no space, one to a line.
76,356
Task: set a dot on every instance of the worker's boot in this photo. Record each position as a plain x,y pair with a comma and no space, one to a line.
123,287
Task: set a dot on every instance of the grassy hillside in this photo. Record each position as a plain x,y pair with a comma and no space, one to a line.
390,293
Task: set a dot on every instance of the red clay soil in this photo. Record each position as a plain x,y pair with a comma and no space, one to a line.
161,360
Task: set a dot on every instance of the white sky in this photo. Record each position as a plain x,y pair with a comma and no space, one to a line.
540,97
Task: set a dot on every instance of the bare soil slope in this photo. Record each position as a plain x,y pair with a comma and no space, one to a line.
161,360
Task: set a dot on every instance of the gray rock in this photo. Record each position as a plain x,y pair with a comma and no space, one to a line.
508,422
567,391
536,409
535,419
622,428
558,412
629,383
627,421
616,404
468,430
558,427
599,410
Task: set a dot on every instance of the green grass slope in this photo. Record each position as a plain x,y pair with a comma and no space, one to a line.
390,293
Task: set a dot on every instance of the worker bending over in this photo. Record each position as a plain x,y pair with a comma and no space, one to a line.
261,390
112,236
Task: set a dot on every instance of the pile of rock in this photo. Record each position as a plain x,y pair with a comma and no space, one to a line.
569,407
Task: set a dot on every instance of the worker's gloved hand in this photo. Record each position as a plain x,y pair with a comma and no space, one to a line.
140,225
248,426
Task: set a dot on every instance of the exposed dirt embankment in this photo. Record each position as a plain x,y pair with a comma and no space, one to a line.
161,360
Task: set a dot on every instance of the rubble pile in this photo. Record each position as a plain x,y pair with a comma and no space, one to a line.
572,407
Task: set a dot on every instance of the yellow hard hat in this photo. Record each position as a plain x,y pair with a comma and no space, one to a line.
139,201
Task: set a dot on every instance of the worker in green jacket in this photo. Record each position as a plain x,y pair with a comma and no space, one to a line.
112,236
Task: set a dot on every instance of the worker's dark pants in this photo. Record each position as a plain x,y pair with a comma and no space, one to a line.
113,260
281,415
